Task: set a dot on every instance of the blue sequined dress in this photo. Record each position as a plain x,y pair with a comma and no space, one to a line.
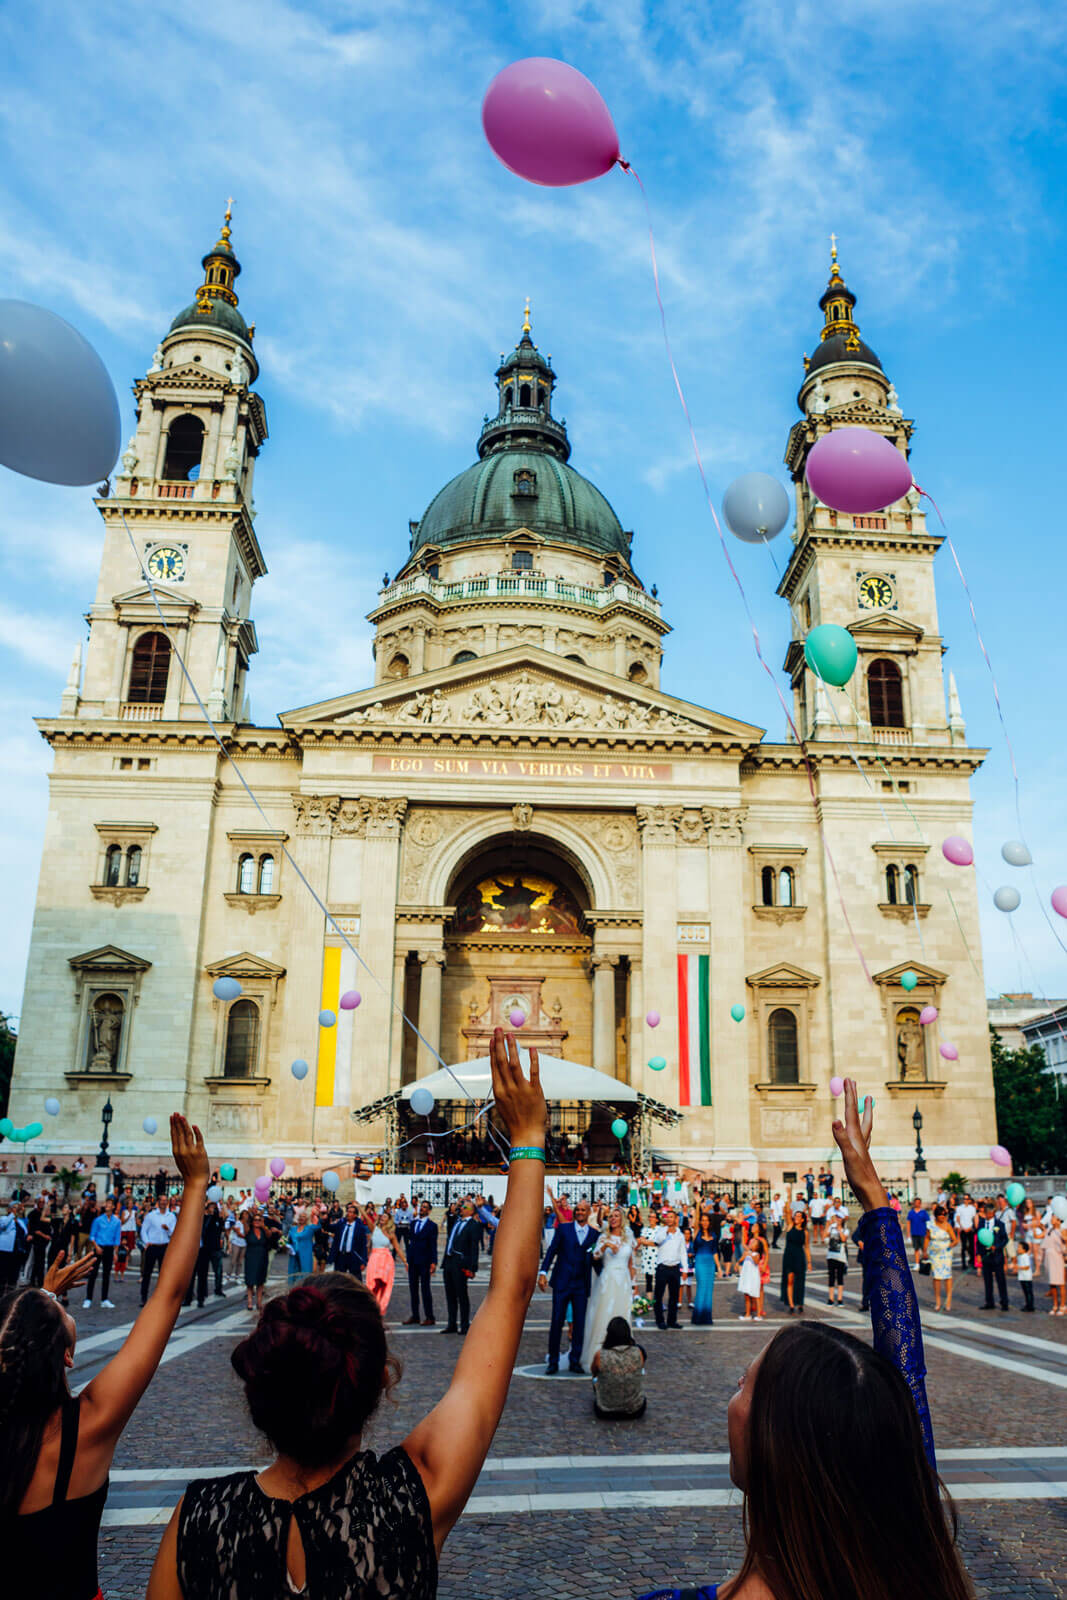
894,1323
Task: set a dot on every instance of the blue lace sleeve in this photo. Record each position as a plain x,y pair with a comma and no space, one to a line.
895,1309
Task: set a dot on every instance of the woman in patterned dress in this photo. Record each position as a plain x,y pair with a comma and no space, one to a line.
941,1240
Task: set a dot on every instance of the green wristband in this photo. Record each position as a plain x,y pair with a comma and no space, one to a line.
526,1152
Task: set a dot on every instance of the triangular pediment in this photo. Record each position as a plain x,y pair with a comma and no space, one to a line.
886,625
109,958
890,978
527,691
143,595
783,975
244,965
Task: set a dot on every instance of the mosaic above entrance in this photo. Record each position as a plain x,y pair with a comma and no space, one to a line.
519,903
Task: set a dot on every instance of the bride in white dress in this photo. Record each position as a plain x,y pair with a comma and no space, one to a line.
613,1290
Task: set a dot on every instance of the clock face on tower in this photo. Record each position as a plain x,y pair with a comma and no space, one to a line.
166,564
875,592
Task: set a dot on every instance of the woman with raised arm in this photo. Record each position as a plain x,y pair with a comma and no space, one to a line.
56,1450
831,1444
327,1518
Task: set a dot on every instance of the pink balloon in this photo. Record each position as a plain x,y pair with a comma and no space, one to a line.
262,1185
999,1156
517,1018
837,1086
277,1166
350,1000
547,122
653,1019
853,469
949,1051
957,850
1059,899
927,1015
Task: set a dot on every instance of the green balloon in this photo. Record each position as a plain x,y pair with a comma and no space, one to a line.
228,1171
18,1136
1016,1194
830,652
861,1104
738,1013
909,980
619,1128
7,1127
657,1063
33,1131
985,1237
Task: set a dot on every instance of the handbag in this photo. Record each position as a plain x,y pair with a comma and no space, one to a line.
924,1269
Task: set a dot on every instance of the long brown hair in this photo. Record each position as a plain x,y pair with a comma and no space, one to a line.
33,1383
840,1500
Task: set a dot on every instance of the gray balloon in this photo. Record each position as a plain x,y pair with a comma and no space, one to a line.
756,507
1016,854
1007,898
59,417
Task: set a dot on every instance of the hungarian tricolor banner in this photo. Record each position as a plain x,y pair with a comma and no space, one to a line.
694,1030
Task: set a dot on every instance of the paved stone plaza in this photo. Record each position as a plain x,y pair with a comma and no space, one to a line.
570,1507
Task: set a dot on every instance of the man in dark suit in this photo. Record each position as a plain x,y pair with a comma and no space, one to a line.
459,1266
570,1255
422,1264
348,1247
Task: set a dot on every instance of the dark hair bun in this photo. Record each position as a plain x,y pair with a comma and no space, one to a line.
315,1367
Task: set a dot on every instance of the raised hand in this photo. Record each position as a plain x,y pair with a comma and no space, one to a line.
853,1137
59,1277
187,1144
518,1099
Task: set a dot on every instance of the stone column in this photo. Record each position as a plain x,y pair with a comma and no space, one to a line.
432,963
418,649
620,655
295,1104
604,1012
729,894
118,671
176,677
659,893
383,821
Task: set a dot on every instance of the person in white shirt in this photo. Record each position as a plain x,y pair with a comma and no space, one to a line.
818,1213
671,1251
777,1213
156,1231
966,1224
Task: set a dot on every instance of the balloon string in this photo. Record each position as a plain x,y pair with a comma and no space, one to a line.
1000,710
331,920
963,936
626,166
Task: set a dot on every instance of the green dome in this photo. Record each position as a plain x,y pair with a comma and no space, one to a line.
493,497
216,315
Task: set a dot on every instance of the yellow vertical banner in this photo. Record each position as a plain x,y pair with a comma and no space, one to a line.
331,994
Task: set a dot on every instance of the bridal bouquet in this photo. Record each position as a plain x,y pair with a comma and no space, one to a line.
640,1307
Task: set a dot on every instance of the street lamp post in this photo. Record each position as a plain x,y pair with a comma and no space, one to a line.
103,1160
920,1159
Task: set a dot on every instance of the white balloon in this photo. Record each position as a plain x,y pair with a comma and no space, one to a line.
1015,853
422,1102
1007,898
1059,1206
215,1192
299,1068
51,1105
149,1125
59,416
331,1182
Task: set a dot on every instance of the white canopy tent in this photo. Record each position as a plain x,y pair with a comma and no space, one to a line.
560,1080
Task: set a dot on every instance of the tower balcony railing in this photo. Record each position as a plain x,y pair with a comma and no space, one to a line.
140,711
522,586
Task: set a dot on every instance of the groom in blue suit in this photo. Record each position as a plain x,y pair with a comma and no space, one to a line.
570,1255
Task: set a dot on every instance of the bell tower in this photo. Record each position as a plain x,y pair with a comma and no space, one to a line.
874,574
184,492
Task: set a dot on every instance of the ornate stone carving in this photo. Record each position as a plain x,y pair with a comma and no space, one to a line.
617,833
350,821
724,823
530,702
315,813
424,829
658,824
692,829
384,818
521,816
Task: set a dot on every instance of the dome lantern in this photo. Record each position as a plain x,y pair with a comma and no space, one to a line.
215,305
840,338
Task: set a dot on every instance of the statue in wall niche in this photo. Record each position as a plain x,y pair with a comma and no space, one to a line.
157,360
130,457
231,460
911,1046
892,402
105,1030
819,400
239,371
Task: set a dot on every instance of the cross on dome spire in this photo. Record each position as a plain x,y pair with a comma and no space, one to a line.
526,318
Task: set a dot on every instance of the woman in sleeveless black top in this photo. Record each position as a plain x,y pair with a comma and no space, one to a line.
56,1451
326,1519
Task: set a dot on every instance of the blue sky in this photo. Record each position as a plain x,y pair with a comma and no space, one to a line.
386,258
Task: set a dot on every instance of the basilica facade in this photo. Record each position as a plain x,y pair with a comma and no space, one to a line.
512,815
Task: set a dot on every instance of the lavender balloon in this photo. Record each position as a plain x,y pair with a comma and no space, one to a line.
927,1015
1059,899
855,470
652,1019
517,1018
999,1156
547,123
277,1166
350,999
957,850
949,1051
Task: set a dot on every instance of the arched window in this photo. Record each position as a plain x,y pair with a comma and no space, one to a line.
637,672
133,865
885,694
185,447
242,1040
785,887
911,886
525,482
113,865
507,398
399,667
522,561
463,655
149,669
892,884
524,394
767,885
266,874
782,1043
246,875
542,394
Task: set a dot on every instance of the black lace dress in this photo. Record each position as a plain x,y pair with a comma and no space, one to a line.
366,1532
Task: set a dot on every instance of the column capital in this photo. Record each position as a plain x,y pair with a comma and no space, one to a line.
725,824
361,817
432,958
315,813
658,825
600,959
